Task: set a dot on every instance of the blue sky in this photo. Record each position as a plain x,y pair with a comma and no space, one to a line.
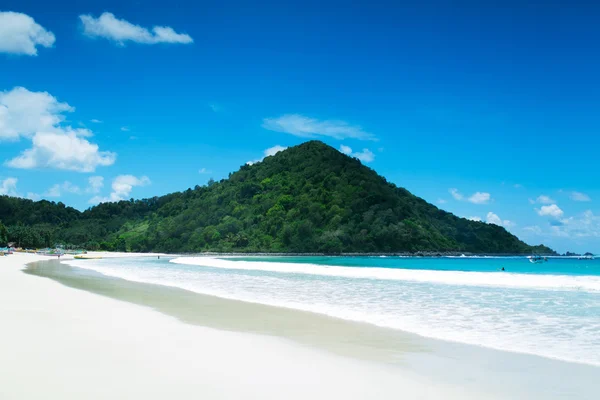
485,111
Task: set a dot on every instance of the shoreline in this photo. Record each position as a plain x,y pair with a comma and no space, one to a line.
62,343
370,341
418,368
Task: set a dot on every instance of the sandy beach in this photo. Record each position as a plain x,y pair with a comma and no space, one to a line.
95,337
61,343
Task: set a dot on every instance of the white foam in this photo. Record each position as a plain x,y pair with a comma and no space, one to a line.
493,279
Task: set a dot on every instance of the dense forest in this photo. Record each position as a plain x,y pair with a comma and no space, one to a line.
309,198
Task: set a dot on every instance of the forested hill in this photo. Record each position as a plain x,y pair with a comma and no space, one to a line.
309,198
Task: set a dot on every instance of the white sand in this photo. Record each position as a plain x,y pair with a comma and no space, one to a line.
61,343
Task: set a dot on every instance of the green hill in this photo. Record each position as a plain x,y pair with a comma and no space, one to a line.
309,198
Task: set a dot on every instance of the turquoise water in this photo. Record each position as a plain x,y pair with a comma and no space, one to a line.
551,310
554,266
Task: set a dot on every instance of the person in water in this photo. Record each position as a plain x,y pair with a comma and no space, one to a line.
502,269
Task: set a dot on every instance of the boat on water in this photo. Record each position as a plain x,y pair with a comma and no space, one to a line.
536,259
86,257
588,257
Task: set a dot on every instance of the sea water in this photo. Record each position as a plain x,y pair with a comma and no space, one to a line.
550,310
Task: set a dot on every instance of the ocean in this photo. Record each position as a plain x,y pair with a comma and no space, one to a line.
550,310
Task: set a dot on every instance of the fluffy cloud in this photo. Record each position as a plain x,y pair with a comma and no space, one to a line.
121,186
95,184
299,125
456,194
476,219
33,196
578,196
20,34
585,225
492,218
480,198
121,31
441,201
550,211
64,151
365,155
475,198
40,116
8,187
543,199
58,189
346,149
271,151
23,113
204,171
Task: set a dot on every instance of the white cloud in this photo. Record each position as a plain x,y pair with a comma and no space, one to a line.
125,129
95,184
121,31
20,34
39,116
8,187
58,189
54,191
204,171
299,125
456,194
345,149
476,219
23,113
441,201
543,199
480,198
121,186
365,156
96,121
64,151
475,198
584,225
578,196
551,211
33,196
492,218
271,151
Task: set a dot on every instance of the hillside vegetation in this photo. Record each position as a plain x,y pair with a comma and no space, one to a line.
309,198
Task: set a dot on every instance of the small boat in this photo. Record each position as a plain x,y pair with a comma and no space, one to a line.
86,257
535,259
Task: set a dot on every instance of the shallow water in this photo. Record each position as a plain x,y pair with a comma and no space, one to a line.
550,310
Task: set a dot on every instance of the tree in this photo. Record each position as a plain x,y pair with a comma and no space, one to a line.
3,234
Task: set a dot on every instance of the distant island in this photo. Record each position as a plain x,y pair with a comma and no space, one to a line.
570,254
307,199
